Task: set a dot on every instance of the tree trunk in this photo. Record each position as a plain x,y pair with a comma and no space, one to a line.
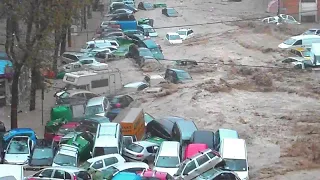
69,36
15,96
57,40
63,46
34,82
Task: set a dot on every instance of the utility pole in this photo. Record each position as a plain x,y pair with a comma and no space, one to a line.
278,7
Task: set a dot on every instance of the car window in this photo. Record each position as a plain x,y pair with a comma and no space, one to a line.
98,164
167,36
67,176
202,159
151,149
46,173
80,95
189,167
58,174
189,32
299,42
110,161
83,175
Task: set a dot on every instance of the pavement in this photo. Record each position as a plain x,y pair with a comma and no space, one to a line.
34,118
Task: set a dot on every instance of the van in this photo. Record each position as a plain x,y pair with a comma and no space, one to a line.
99,81
168,157
67,155
315,54
132,123
234,154
97,106
108,140
98,44
303,41
198,164
182,131
220,134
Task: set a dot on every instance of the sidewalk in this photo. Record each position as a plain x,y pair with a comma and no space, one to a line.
34,119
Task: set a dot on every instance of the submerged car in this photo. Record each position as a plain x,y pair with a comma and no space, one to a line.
170,12
155,175
145,6
147,30
177,76
42,155
173,38
146,21
18,150
185,33
141,151
162,127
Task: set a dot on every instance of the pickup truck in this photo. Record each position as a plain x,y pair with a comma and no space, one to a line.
127,25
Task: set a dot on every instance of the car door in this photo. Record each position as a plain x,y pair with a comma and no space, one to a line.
152,150
58,175
189,33
110,161
189,167
45,174
98,164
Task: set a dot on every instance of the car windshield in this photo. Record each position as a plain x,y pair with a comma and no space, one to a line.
148,5
18,147
167,161
174,37
236,164
65,160
127,140
171,11
93,110
63,130
310,32
85,165
155,50
100,151
145,52
64,95
182,32
289,41
135,148
149,30
184,76
40,153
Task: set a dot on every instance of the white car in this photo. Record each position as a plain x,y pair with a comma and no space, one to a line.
67,155
18,150
133,167
185,33
282,18
312,32
60,173
173,38
141,151
102,162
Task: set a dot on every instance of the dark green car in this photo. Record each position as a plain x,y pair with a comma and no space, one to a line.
84,142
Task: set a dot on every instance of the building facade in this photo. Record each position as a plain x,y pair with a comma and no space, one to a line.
302,10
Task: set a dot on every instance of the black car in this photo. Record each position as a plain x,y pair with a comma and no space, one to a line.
162,127
140,54
41,155
120,101
203,137
145,6
170,12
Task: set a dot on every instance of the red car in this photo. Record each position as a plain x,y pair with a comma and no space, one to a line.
65,129
193,149
155,175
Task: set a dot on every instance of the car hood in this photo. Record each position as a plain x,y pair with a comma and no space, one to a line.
171,171
16,158
243,175
41,162
183,37
283,46
176,41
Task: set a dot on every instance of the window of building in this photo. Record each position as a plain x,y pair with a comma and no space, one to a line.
309,18
308,1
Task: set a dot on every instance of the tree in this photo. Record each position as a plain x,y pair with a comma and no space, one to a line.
29,25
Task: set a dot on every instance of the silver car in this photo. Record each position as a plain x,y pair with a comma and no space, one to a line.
18,150
141,151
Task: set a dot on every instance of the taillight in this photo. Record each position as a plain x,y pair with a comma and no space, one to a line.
74,177
118,105
139,155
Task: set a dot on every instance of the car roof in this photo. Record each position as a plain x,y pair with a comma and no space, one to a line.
188,127
172,33
96,101
146,26
91,160
22,130
67,168
184,29
127,176
127,165
228,133
167,148
145,143
106,141
305,37
75,91
234,148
